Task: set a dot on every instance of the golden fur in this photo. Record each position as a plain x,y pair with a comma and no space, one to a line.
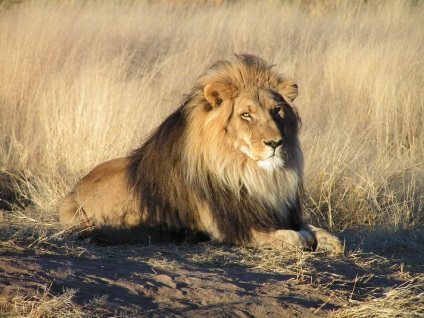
226,165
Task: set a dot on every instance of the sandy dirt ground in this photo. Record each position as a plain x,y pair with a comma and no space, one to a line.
203,280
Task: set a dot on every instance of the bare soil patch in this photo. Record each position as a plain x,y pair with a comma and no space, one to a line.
53,278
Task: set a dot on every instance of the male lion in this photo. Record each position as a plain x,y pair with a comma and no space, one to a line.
226,164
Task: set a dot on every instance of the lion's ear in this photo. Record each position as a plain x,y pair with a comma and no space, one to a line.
216,92
288,89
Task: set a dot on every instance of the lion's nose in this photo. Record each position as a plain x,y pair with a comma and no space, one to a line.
273,143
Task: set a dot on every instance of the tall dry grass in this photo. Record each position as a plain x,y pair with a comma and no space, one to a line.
85,81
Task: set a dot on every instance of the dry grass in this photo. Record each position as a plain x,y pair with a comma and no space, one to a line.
86,81
44,304
83,82
406,300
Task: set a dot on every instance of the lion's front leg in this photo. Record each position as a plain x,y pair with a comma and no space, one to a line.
284,239
324,240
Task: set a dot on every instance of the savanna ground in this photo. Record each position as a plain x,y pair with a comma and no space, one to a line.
85,81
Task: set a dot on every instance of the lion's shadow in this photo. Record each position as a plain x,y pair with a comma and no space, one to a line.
142,235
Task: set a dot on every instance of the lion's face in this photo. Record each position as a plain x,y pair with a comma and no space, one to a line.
259,123
256,126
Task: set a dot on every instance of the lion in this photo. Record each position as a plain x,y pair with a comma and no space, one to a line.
225,166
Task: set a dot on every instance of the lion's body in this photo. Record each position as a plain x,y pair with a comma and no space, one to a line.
227,163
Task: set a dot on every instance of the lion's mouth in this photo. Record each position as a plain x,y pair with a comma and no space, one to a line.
271,163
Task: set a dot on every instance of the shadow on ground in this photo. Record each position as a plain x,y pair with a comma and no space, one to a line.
201,280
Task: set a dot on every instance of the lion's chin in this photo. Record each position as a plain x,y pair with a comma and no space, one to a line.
271,164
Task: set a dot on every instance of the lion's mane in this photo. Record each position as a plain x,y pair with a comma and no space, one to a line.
186,162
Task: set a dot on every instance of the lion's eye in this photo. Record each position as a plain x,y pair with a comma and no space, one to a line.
276,111
246,116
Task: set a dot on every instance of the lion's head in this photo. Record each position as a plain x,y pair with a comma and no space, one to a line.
243,128
255,122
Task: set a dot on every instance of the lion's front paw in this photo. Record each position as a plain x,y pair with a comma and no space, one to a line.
325,241
287,240
292,240
328,242
306,240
